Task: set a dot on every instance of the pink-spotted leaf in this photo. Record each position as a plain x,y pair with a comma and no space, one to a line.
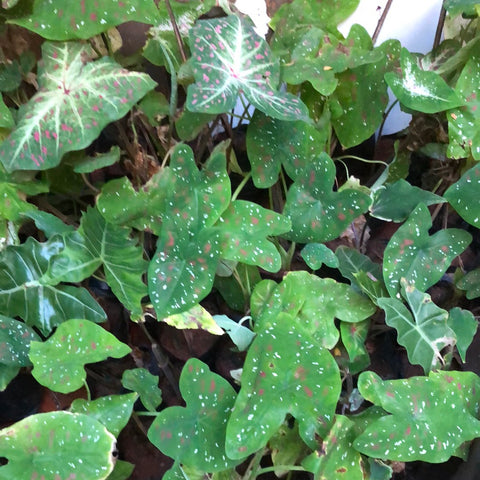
463,196
337,459
229,58
77,98
15,338
196,317
194,435
28,292
313,302
56,20
424,332
245,228
418,257
353,339
57,445
318,213
284,373
272,143
429,417
58,363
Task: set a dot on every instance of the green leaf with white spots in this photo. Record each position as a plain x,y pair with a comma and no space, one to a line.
423,91
396,201
353,339
463,323
463,196
57,445
15,338
464,122
360,99
424,332
245,228
229,57
337,459
58,363
68,112
313,302
318,213
194,318
28,292
120,204
113,411
471,283
272,143
140,380
430,417
284,373
55,20
194,435
418,257
97,243
317,254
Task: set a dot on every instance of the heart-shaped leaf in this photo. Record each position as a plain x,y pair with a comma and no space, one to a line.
113,411
57,445
76,100
245,226
319,214
56,21
58,362
272,143
140,380
423,91
15,338
97,243
314,302
430,416
337,459
228,57
463,196
26,291
395,201
195,434
419,258
284,372
195,318
317,254
424,334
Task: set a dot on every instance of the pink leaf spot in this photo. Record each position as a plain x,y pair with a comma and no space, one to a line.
66,128
93,17
123,100
341,217
212,386
93,345
32,156
308,391
36,136
95,108
261,392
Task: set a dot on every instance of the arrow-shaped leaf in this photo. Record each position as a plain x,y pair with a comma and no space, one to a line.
76,100
26,291
229,58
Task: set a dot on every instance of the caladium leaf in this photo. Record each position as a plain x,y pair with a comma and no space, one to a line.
272,143
113,411
140,380
195,434
245,226
430,417
471,283
359,101
58,362
463,196
313,302
337,459
6,118
54,20
86,164
194,318
229,58
419,258
317,254
423,91
463,323
57,445
396,201
319,214
76,100
97,243
284,372
353,339
26,291
424,332
15,338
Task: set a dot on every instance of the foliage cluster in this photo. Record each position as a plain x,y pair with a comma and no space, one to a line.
169,230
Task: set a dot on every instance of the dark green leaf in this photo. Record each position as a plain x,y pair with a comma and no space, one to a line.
90,164
463,323
317,254
471,283
140,380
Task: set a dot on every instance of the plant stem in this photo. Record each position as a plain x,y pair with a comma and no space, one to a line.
253,467
381,21
176,30
241,185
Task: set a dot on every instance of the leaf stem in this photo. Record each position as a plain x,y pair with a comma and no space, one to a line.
240,186
178,37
